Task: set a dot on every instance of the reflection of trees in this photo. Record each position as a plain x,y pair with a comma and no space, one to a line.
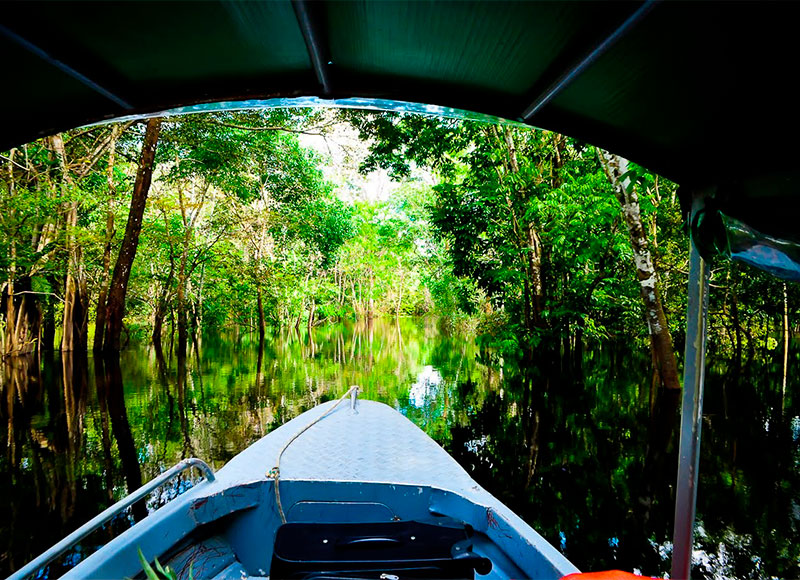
16,380
749,489
180,389
562,446
22,397
580,454
105,431
76,385
575,449
111,389
45,417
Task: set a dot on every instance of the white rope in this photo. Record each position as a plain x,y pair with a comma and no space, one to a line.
275,472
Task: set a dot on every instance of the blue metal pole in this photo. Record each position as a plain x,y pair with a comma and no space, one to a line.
691,413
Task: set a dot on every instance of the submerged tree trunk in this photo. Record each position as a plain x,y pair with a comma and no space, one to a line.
75,322
161,310
102,297
22,312
76,299
23,319
122,271
262,323
664,360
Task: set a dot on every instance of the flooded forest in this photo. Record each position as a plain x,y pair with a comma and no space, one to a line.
181,286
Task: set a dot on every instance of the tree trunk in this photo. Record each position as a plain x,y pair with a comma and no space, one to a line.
356,305
76,300
312,309
666,365
526,234
180,296
23,319
102,297
161,309
399,297
119,281
737,327
49,322
262,323
9,336
163,302
23,315
535,274
785,346
198,318
10,343
371,306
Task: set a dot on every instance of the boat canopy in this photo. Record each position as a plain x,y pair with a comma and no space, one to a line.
699,92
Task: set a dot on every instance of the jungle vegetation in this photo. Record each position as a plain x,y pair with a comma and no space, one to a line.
163,227
541,247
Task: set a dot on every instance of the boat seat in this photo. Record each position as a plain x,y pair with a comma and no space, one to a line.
379,550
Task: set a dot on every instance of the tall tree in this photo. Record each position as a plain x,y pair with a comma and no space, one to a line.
19,336
76,298
102,297
497,212
666,366
115,309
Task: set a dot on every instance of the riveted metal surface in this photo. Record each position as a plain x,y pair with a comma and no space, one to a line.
375,443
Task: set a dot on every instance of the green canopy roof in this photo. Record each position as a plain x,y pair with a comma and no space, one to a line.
702,93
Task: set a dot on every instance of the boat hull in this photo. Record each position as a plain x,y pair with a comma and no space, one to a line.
362,464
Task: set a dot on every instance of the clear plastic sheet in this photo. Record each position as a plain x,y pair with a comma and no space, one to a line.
780,258
307,102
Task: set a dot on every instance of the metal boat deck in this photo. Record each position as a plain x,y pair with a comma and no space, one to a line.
362,464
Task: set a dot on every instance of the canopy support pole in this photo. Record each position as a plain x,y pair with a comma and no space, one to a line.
63,67
312,38
587,60
691,411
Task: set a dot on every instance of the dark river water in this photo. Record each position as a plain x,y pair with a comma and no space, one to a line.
576,445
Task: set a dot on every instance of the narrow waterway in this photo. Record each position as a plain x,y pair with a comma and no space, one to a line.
575,444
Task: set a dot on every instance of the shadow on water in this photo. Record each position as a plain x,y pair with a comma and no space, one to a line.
574,442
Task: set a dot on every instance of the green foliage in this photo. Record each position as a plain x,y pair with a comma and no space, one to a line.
505,220
515,234
527,216
159,572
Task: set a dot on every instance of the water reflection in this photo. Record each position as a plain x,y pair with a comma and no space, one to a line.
579,445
